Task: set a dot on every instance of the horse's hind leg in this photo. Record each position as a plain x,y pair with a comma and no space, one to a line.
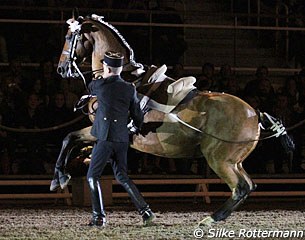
67,145
240,188
246,177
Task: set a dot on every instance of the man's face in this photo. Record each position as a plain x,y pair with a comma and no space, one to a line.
106,72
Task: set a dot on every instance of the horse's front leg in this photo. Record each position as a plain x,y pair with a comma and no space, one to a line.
60,178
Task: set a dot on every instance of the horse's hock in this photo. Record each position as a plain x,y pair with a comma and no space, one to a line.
183,186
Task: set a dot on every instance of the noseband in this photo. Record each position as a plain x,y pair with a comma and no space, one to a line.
73,70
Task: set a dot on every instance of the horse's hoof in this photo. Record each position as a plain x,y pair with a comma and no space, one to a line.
206,222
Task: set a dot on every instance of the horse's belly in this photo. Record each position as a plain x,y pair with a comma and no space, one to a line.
169,142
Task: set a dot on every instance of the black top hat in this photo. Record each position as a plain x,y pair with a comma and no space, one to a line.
113,59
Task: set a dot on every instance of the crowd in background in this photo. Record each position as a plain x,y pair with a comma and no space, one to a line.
39,98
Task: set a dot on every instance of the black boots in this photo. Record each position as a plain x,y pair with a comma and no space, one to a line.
97,222
139,202
147,216
98,214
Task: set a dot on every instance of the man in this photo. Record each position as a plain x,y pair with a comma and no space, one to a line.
116,100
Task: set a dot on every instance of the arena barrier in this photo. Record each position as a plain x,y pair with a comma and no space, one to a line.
205,188
21,188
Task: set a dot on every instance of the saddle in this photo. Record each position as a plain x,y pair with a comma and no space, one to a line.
162,93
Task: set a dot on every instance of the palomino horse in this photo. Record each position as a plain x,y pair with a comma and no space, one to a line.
180,121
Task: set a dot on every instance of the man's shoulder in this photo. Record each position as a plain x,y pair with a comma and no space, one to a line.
127,84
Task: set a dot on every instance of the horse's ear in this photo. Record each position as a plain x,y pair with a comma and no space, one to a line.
88,27
75,13
80,19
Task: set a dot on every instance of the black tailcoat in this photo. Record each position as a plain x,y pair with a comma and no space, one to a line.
116,100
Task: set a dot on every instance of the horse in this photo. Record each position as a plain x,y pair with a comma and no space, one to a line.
180,121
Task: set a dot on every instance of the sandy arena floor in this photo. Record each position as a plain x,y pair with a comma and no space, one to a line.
175,220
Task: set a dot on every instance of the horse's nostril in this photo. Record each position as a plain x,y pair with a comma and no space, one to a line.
60,70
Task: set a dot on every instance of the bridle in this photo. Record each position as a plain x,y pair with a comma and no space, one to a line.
73,70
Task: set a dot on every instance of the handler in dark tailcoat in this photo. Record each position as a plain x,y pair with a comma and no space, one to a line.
117,100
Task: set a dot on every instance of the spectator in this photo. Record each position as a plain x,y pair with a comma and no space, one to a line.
261,88
58,114
40,89
206,80
14,94
177,71
32,116
50,80
70,97
251,87
225,74
6,141
227,81
282,111
151,164
266,95
17,76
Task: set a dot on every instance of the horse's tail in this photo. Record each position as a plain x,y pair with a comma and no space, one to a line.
269,123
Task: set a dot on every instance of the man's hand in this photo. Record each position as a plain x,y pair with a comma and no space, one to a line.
132,128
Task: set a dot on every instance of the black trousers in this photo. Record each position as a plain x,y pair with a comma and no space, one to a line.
116,153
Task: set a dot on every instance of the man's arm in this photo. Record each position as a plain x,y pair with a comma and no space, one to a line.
93,86
136,113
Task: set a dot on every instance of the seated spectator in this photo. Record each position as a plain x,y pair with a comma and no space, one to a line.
41,91
151,164
282,111
32,116
206,80
15,96
266,95
225,74
58,114
261,88
177,71
17,76
50,80
251,87
6,139
71,98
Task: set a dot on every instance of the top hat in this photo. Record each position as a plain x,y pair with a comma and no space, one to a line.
113,59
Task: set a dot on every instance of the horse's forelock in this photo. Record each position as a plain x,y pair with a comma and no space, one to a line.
74,25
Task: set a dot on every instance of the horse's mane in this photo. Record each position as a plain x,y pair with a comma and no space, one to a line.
119,36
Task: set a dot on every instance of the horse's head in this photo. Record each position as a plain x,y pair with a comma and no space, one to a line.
76,48
93,36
